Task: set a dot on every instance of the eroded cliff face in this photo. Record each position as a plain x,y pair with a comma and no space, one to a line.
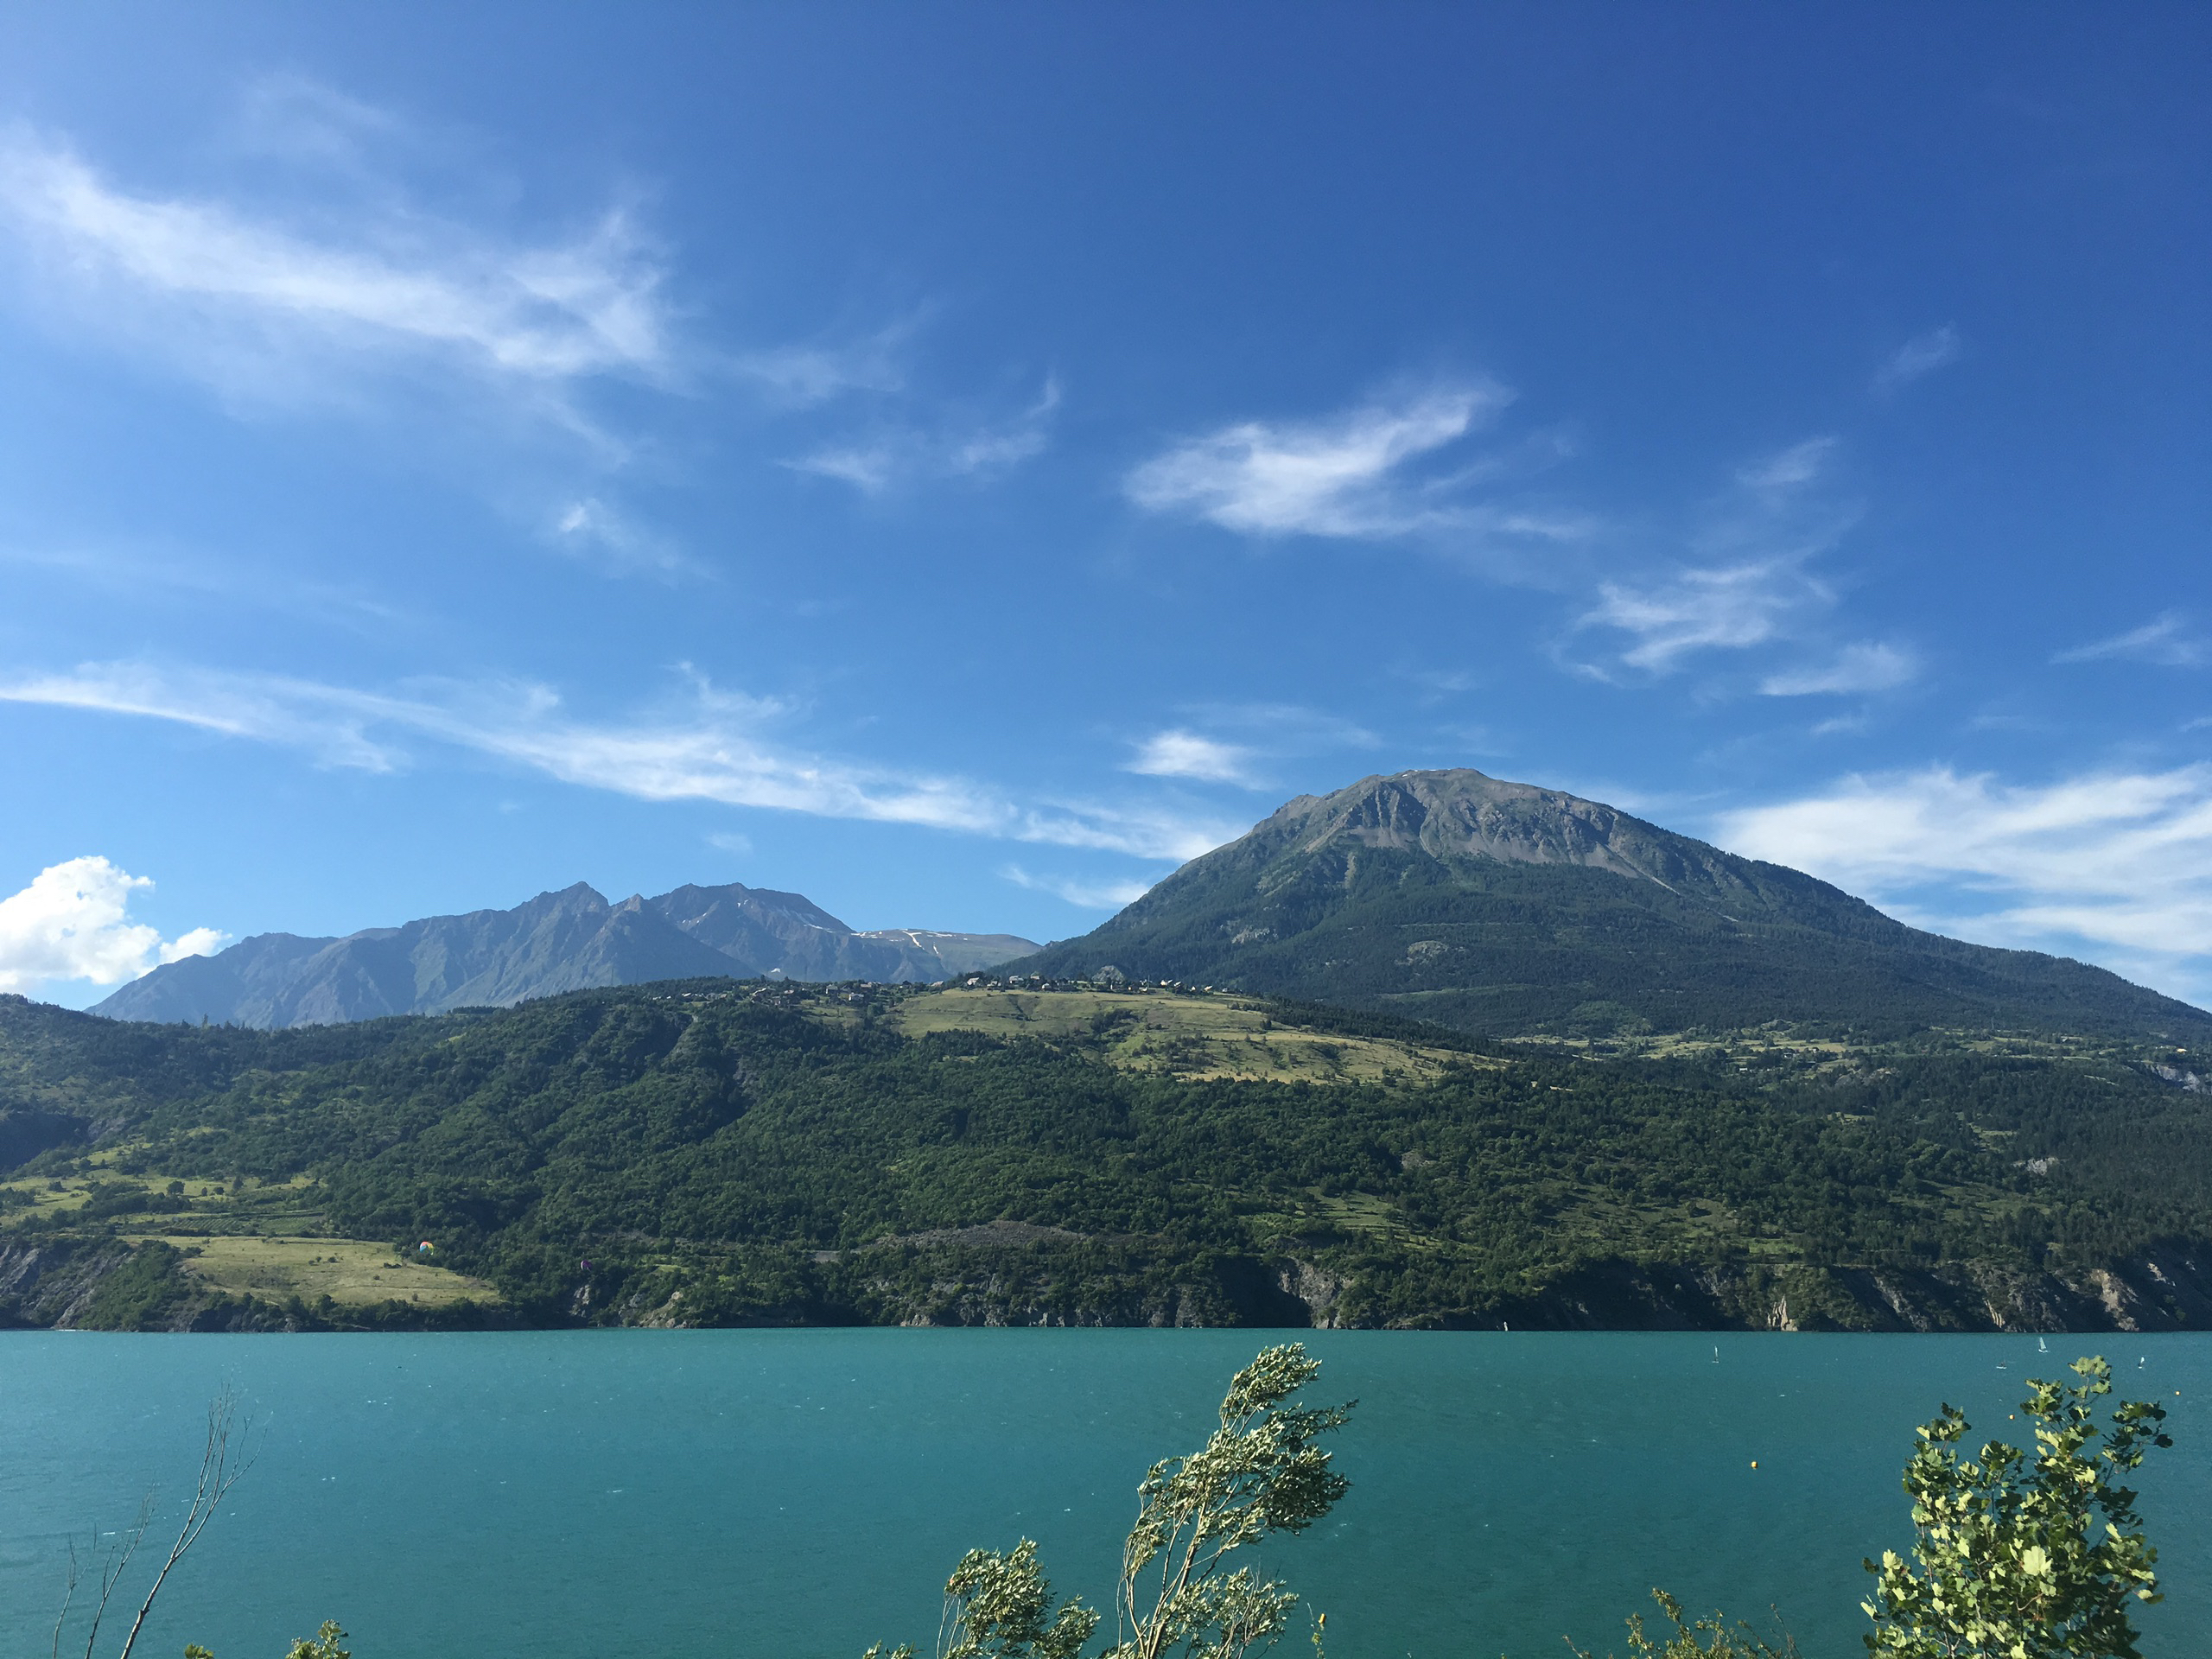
110,1284
2161,1290
51,1281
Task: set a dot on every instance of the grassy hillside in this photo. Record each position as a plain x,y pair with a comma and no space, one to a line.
1195,1037
705,1152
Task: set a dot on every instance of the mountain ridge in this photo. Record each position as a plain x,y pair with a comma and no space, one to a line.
571,939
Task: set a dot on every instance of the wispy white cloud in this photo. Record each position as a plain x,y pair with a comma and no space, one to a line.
815,373
1285,727
1865,667
1256,733
900,454
1749,586
711,745
868,466
1786,469
223,283
730,841
71,923
316,282
144,572
1179,754
1347,476
2167,639
1084,894
598,533
991,449
1728,607
299,122
2114,864
1922,354
328,723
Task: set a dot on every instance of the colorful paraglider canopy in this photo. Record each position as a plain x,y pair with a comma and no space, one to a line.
425,1248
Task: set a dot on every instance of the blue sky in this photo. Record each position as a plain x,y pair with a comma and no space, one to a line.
956,462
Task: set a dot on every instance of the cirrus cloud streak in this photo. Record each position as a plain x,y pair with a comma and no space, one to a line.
586,306
1347,476
710,745
1084,894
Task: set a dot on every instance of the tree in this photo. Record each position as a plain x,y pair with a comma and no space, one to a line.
1260,1472
2020,1560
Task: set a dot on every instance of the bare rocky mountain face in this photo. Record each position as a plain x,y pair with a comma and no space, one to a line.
565,941
1502,908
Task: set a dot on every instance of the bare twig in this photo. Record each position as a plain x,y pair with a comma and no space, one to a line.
118,1558
68,1593
220,1466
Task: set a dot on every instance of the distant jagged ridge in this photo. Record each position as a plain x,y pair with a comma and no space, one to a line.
565,941
1502,908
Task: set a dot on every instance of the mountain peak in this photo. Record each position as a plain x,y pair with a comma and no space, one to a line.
1507,907
1465,813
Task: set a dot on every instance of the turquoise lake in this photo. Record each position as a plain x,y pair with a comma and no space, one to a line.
803,1493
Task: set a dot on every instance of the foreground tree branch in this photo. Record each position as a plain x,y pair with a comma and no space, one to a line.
221,1468
1259,1472
224,1457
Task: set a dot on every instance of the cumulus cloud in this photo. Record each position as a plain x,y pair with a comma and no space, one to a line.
2114,864
2167,640
1180,753
1865,667
1922,354
710,745
71,924
1349,475
1084,894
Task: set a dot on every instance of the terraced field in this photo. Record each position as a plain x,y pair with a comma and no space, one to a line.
1187,1035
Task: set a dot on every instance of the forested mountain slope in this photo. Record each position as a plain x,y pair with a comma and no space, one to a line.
1501,908
704,1152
